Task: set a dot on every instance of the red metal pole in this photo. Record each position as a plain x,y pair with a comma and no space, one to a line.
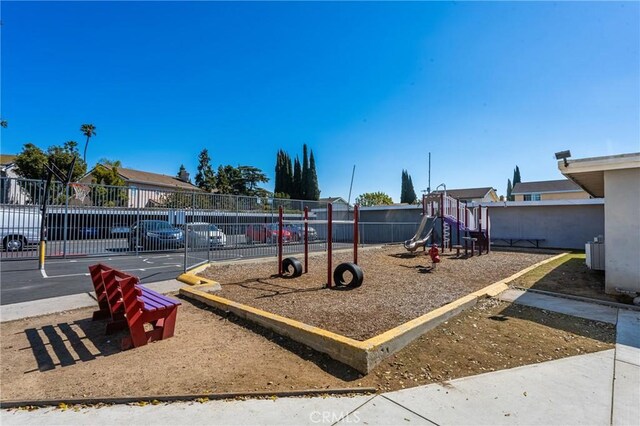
329,242
355,233
280,226
306,239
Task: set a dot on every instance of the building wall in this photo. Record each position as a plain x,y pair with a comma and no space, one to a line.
622,229
567,226
578,195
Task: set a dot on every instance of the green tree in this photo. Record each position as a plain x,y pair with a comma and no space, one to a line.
205,177
223,182
88,130
313,191
369,199
516,176
30,162
297,180
3,123
110,188
509,190
250,177
407,193
183,174
304,181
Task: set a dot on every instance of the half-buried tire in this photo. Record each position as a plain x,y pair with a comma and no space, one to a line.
357,276
291,267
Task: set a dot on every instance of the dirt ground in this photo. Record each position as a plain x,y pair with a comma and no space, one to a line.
68,356
398,287
569,275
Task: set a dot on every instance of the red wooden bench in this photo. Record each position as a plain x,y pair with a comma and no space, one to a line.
130,305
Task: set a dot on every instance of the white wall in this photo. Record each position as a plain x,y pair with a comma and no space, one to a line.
622,229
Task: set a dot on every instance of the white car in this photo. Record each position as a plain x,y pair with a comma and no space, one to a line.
202,234
20,228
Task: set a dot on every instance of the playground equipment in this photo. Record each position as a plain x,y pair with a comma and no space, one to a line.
293,266
459,225
434,253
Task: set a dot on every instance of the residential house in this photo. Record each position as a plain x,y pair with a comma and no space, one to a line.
146,188
562,189
471,195
10,191
616,178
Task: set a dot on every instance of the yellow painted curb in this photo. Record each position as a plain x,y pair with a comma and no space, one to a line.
191,279
361,355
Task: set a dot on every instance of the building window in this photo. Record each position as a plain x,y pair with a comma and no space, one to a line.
531,197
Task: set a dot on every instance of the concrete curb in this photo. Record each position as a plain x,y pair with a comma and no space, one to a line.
188,397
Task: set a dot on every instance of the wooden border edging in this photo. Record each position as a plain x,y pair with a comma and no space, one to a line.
360,355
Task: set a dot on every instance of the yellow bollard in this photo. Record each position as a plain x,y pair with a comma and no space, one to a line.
42,250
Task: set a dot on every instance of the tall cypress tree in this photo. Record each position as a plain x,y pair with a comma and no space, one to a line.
313,191
516,176
288,175
305,173
278,186
297,180
411,193
509,189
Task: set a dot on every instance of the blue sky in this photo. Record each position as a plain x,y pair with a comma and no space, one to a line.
482,86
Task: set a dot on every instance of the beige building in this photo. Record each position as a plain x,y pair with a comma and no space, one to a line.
145,188
562,189
615,178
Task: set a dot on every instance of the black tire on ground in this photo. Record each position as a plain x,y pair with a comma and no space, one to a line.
291,263
357,276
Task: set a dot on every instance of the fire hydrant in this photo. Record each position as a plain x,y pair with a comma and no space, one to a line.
435,255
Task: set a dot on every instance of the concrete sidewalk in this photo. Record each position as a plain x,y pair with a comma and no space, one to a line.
600,388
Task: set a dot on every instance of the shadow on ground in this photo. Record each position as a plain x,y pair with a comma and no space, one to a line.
51,344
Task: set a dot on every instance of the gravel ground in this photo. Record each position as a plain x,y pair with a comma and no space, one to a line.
68,356
398,287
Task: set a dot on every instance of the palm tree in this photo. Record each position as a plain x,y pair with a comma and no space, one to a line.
88,130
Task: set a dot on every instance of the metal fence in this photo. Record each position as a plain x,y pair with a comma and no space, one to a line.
98,220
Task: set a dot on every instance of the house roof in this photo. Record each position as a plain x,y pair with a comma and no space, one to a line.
138,176
562,185
466,193
6,159
332,200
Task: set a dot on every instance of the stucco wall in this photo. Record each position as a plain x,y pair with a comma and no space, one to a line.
561,226
579,195
622,229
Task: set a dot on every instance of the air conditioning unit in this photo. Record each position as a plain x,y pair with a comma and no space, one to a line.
595,254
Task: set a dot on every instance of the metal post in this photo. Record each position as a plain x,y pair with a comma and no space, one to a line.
356,213
280,226
186,244
424,204
306,239
329,242
43,222
442,219
66,222
458,221
488,233
480,228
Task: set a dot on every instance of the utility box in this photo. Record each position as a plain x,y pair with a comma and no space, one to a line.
595,255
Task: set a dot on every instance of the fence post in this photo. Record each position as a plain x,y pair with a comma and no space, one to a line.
65,227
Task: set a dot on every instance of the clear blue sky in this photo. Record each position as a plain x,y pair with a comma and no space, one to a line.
483,86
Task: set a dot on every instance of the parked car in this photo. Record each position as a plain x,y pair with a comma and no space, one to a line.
267,233
202,234
297,232
119,231
19,228
155,235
